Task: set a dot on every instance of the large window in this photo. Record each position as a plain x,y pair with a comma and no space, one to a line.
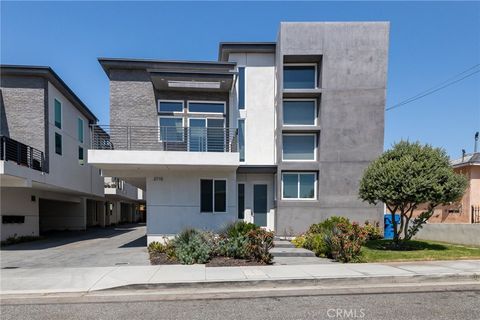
58,114
206,134
58,143
299,112
206,107
299,146
170,106
80,130
213,195
241,139
241,88
299,76
171,129
241,200
299,185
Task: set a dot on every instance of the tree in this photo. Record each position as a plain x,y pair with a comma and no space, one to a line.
406,176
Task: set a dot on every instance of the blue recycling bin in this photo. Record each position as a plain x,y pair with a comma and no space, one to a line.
387,218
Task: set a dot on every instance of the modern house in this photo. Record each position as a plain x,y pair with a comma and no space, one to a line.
46,182
276,133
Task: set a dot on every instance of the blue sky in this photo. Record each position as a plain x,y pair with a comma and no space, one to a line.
429,42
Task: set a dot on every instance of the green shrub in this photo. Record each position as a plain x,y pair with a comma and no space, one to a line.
235,247
373,231
299,241
259,244
327,225
345,242
191,247
316,243
238,228
156,247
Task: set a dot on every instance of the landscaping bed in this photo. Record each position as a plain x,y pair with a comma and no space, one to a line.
240,244
384,251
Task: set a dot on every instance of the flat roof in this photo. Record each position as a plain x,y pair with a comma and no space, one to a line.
54,78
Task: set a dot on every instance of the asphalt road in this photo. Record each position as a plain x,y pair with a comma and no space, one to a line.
449,305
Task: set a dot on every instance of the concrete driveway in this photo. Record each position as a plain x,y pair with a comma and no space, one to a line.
96,247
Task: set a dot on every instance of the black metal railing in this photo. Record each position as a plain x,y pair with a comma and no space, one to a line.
190,139
22,154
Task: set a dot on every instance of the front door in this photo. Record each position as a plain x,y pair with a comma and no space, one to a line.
260,204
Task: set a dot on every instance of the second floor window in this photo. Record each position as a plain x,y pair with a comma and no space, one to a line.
206,107
241,88
170,106
299,76
81,159
241,139
58,144
80,130
299,147
171,129
299,112
58,114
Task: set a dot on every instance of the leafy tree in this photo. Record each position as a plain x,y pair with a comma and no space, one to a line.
406,176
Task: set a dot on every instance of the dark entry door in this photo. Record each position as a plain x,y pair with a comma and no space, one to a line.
260,204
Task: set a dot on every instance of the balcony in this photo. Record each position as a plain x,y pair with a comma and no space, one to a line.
21,154
151,147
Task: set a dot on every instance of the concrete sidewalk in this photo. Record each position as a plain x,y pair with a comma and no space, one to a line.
60,280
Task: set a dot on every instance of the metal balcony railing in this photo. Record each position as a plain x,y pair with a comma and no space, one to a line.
22,154
190,139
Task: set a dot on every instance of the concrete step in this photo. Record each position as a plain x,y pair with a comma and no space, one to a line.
280,261
283,244
291,252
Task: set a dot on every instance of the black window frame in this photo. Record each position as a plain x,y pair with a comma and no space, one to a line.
241,201
209,202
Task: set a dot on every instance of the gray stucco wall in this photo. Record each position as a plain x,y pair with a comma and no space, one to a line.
352,101
23,110
468,234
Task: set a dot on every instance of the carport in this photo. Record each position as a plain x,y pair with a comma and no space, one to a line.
62,215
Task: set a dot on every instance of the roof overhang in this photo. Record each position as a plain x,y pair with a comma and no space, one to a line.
225,48
52,77
191,80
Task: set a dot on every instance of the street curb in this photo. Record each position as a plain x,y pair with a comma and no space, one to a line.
275,283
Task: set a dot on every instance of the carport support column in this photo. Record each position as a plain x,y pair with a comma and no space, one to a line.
101,213
83,209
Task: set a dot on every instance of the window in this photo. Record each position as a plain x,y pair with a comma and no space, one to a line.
241,200
241,139
81,158
299,77
299,112
299,185
171,129
299,146
206,107
80,130
213,195
206,134
58,143
170,106
58,114
241,88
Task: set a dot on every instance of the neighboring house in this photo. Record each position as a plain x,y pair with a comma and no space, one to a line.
123,202
276,133
467,210
46,182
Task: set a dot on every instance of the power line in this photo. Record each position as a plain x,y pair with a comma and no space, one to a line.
450,81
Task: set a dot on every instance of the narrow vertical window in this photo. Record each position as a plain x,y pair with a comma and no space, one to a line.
58,143
241,88
241,139
220,196
206,195
81,159
58,114
80,130
241,200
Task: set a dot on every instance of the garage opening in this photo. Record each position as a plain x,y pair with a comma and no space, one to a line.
61,215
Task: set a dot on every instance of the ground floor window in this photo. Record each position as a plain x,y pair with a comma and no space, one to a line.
213,195
241,200
299,185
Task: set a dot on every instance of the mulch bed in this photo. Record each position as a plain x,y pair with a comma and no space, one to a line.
162,258
230,262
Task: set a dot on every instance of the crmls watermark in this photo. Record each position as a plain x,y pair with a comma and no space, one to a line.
346,313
